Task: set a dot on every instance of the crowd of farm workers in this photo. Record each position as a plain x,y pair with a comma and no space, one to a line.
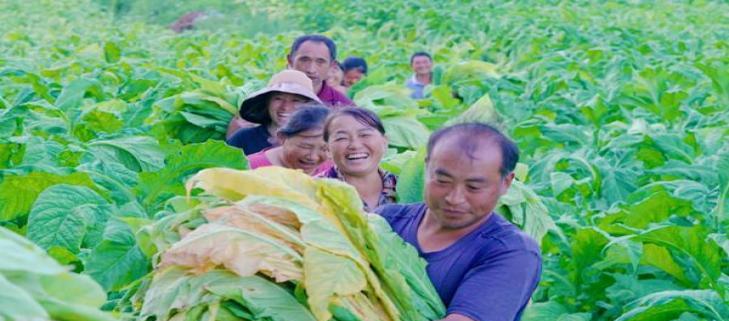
483,267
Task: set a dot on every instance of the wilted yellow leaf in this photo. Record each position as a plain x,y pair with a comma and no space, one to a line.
328,276
243,252
234,185
250,219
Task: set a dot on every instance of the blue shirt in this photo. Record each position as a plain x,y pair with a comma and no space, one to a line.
416,87
487,275
252,139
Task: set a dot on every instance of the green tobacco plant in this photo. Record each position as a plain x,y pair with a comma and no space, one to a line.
619,110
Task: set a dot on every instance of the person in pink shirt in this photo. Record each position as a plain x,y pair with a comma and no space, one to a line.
302,143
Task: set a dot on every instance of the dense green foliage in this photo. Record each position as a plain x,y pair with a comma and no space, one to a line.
621,111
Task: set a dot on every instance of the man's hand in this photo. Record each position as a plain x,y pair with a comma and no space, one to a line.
456,317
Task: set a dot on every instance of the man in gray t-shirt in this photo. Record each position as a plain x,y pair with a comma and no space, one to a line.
422,65
483,267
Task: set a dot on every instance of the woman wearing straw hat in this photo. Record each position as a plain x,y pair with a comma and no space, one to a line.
270,107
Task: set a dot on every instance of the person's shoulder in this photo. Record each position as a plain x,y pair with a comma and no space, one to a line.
508,236
394,212
324,168
410,81
239,137
399,215
342,99
244,134
330,172
248,131
334,97
251,140
258,159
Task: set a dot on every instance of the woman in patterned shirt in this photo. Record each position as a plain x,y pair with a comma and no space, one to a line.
357,142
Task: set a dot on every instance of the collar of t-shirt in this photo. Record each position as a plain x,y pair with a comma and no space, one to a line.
414,81
412,236
331,97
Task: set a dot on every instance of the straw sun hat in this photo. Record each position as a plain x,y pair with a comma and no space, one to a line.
255,107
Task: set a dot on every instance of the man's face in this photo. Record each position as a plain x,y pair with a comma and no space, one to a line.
461,191
422,65
313,59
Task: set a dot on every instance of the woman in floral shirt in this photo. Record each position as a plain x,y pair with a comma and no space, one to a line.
357,142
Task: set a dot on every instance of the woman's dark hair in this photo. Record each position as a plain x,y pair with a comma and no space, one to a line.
306,117
362,115
354,63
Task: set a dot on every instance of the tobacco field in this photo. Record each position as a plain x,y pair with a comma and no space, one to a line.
620,110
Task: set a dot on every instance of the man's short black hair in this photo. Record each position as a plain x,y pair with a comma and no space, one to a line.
470,135
315,38
420,54
354,63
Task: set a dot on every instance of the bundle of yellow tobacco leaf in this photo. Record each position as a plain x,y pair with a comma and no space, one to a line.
276,244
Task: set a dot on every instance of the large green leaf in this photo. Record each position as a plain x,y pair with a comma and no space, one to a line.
411,181
375,96
655,207
17,304
628,288
263,298
18,193
405,131
117,260
587,245
192,117
327,276
402,283
650,307
19,254
661,258
66,215
174,290
523,207
482,111
691,242
402,264
138,153
72,94
160,185
552,311
470,70
66,296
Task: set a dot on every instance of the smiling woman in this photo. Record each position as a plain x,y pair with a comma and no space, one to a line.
302,145
271,107
357,142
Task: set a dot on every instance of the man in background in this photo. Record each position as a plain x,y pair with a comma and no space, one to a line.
422,65
314,55
354,68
